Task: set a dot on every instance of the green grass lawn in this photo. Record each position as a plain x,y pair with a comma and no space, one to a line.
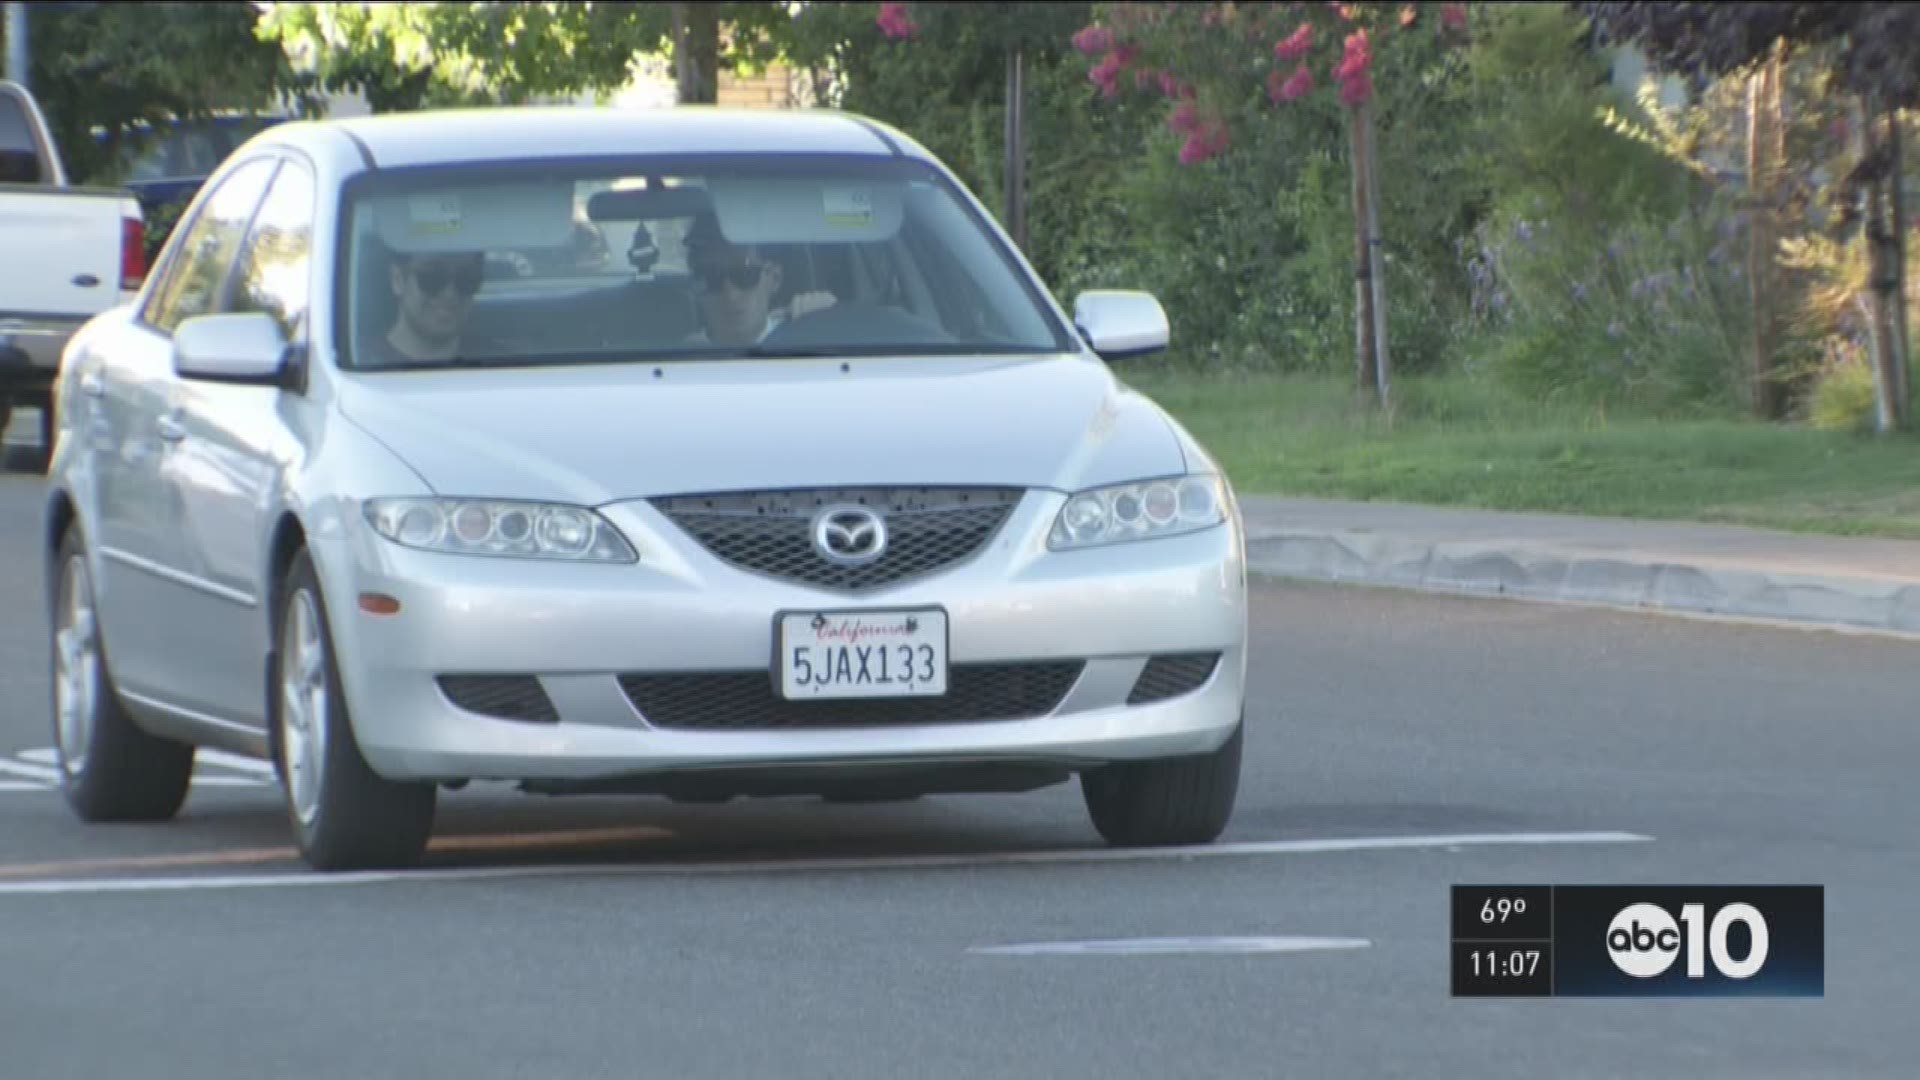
1455,443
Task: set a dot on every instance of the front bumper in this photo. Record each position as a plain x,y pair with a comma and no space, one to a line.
578,629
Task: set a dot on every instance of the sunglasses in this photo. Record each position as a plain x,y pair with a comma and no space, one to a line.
434,278
739,275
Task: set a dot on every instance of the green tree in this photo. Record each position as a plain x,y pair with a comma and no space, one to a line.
1869,52
1230,76
405,56
119,67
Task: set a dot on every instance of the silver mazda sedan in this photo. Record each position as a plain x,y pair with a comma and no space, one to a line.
685,452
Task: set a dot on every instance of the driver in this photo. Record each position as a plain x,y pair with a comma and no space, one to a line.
736,284
434,297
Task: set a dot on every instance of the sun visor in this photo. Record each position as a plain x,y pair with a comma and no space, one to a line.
478,218
773,211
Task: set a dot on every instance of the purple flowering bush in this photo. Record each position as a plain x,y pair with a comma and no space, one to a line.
1646,311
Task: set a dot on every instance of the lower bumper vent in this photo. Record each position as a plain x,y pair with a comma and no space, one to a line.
1171,676
506,697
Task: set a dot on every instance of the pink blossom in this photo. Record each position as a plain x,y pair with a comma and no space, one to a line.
894,22
1210,142
1106,75
1453,16
1357,60
1290,88
1092,41
1126,54
1296,45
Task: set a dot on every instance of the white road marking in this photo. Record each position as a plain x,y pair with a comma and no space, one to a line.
774,866
254,766
40,765
30,772
1173,946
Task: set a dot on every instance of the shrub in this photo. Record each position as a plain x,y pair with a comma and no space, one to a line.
1608,270
1843,398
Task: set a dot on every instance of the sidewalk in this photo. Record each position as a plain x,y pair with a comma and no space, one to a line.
1835,582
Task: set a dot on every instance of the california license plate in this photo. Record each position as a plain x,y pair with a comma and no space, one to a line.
862,654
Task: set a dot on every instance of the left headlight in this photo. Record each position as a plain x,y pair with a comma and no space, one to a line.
527,530
1139,511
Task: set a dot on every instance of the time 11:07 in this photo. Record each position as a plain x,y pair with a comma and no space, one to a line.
1512,964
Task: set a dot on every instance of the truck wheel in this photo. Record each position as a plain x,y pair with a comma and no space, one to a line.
344,815
110,769
1167,802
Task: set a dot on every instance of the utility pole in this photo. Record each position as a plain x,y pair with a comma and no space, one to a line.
17,53
1366,329
1015,171
1377,267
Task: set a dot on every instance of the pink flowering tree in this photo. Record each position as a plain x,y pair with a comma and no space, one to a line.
1220,67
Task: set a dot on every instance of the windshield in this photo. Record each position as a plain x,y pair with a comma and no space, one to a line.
661,259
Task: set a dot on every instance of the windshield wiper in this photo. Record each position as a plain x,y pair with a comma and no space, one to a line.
459,363
808,352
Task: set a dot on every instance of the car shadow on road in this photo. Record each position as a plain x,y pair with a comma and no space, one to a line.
228,833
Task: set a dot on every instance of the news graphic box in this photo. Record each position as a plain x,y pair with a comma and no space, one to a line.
1705,941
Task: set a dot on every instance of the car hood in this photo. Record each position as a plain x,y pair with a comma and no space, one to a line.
596,434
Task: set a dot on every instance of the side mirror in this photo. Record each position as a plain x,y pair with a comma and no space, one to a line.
1120,323
245,348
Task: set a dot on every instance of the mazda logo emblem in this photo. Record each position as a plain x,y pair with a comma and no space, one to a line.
850,535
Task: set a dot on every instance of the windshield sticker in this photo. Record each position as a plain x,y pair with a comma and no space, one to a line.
852,207
437,214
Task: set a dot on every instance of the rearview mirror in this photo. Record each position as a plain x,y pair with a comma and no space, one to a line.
1121,323
245,347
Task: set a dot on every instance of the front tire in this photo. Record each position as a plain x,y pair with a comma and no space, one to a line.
110,769
1165,802
344,815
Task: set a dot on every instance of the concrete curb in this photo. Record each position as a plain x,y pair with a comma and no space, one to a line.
1607,577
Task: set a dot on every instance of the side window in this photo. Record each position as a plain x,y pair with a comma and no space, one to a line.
272,271
19,150
195,281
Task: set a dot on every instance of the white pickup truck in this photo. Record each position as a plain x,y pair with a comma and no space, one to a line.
67,254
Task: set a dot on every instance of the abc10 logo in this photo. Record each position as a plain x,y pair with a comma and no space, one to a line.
1644,940
1688,941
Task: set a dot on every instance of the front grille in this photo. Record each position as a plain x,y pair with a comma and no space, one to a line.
508,697
771,533
1172,675
749,701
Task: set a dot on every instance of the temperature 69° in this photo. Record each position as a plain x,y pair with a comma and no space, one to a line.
1502,909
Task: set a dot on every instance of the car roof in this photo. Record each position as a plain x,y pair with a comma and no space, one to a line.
456,136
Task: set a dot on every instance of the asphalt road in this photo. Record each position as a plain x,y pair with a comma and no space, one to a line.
620,938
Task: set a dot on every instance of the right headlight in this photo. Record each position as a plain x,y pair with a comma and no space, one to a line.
527,530
1144,510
